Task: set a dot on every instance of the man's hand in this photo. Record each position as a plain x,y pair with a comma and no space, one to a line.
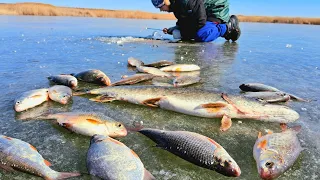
165,30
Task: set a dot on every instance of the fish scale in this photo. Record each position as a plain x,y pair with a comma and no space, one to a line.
195,148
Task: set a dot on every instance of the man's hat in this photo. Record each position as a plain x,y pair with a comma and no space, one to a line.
157,3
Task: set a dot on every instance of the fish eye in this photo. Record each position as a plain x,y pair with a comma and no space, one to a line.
269,164
119,125
18,102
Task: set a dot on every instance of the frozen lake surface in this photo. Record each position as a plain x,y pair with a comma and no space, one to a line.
284,56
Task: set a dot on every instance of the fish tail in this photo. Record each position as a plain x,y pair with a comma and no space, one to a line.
64,175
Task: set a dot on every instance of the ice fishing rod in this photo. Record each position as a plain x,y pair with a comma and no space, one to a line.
154,29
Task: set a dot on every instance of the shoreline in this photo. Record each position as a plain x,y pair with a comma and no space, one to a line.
39,9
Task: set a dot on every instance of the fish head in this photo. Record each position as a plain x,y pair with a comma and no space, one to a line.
227,166
117,129
63,98
73,83
97,138
104,80
20,105
271,164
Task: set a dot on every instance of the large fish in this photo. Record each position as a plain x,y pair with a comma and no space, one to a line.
93,76
276,152
64,79
30,99
181,67
133,79
89,124
257,87
195,148
110,159
198,103
17,154
154,71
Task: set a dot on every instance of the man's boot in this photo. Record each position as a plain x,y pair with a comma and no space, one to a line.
233,29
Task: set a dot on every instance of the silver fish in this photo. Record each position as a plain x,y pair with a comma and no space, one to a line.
133,79
93,76
18,154
195,148
60,94
181,67
198,103
64,79
276,152
110,159
257,87
30,99
267,96
161,63
154,71
135,62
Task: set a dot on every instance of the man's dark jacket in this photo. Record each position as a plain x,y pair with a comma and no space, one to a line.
192,14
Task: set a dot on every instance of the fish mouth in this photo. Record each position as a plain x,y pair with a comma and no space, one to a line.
18,108
267,175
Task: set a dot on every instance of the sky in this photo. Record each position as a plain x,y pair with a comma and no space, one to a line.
291,8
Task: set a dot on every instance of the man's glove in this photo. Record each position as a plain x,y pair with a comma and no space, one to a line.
170,30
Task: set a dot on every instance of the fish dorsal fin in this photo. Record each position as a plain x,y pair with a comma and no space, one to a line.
47,162
259,134
263,144
226,98
153,102
33,148
94,121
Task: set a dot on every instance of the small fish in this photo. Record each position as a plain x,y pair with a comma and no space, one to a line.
195,148
185,81
60,94
133,79
134,62
31,99
276,152
257,87
158,64
110,159
93,76
64,79
17,154
154,71
267,96
89,124
181,67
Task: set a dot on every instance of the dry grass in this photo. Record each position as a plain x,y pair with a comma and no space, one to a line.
39,9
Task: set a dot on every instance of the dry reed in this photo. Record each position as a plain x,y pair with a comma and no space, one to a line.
39,9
